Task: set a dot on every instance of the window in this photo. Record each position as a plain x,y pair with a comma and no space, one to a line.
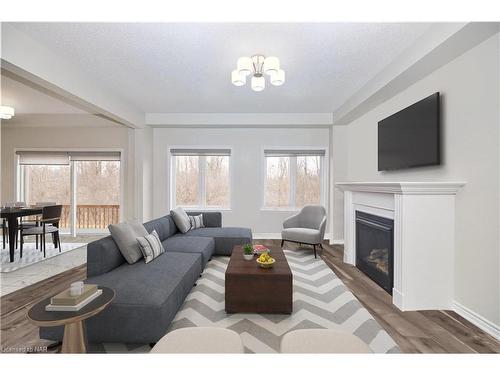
200,178
293,178
85,183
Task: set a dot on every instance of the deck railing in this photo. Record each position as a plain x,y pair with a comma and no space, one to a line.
90,216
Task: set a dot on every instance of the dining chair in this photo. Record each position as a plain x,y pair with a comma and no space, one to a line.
5,232
41,204
48,224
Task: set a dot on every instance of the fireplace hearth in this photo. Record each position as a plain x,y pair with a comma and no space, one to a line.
374,248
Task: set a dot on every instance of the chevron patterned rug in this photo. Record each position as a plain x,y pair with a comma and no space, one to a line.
320,300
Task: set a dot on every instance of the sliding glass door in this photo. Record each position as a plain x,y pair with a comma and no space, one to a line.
87,184
48,184
97,194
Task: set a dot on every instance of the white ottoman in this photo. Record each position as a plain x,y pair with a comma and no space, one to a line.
322,341
200,340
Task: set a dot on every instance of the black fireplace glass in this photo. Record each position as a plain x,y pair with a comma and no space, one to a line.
374,248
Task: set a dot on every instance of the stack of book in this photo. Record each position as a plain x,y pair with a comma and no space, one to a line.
64,301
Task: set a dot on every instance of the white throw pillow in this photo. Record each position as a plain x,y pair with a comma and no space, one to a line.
181,219
125,235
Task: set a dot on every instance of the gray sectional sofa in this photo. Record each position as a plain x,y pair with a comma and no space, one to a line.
149,295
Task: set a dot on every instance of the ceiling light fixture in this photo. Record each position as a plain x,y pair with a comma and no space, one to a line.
256,66
6,112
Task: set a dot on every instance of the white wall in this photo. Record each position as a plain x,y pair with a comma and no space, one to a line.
247,167
469,86
20,136
339,169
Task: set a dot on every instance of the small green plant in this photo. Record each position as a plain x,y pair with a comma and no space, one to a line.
248,249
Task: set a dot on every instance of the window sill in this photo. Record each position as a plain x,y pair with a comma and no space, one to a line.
206,209
280,209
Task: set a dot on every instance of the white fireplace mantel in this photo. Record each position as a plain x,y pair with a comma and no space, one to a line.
402,187
424,236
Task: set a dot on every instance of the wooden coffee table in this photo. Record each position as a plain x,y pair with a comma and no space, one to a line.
252,289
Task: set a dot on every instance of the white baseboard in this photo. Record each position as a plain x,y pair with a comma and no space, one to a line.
337,242
476,319
266,236
397,298
277,236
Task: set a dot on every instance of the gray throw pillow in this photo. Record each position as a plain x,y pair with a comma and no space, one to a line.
125,235
151,246
181,219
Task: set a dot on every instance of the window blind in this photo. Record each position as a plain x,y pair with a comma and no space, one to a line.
64,157
42,158
95,156
290,152
200,152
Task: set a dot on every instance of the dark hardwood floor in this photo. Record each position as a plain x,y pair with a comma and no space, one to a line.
431,331
415,332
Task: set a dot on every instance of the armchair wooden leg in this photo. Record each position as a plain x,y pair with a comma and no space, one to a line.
58,241
314,247
282,242
22,245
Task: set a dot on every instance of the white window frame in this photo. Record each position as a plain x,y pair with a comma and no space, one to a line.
19,182
293,177
202,194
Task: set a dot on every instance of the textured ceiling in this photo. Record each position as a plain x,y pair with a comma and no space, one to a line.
186,67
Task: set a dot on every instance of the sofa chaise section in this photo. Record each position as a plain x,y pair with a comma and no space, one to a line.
225,238
180,243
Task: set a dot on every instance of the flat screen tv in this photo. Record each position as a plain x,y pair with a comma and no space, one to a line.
410,137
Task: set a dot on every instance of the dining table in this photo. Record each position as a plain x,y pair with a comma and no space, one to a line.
12,214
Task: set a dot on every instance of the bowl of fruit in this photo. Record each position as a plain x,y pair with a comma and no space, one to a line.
265,260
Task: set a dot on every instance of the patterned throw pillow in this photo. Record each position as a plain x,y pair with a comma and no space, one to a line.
151,246
196,221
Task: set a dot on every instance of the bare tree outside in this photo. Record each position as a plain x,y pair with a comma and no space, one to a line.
97,193
187,182
217,181
277,181
97,189
98,182
308,186
307,181
47,183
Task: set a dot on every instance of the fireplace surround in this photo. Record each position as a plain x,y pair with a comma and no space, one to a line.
424,237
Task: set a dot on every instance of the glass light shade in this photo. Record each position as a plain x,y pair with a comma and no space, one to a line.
271,65
278,78
244,65
6,112
258,83
237,78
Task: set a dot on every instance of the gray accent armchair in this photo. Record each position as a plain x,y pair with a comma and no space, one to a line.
306,227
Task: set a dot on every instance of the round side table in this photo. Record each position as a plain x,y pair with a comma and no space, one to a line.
74,340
